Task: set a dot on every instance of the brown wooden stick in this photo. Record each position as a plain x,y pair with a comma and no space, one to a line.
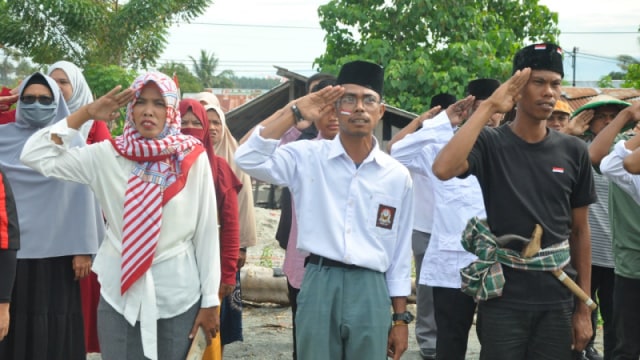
575,289
533,247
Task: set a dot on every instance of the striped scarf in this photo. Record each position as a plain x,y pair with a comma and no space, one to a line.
155,178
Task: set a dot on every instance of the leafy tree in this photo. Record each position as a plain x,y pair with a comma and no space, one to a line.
7,69
103,78
188,82
205,69
632,79
432,46
127,33
25,68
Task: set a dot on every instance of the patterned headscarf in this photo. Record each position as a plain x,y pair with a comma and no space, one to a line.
160,171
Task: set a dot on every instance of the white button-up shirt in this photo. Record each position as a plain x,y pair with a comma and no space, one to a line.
186,263
356,215
455,202
613,169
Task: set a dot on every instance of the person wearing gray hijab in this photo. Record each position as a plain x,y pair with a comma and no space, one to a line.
60,224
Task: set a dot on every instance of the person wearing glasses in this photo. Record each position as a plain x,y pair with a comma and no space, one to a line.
59,220
354,208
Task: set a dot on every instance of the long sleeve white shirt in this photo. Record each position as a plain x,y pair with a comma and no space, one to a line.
612,168
356,215
186,264
455,202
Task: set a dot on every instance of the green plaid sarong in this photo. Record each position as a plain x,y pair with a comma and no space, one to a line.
483,279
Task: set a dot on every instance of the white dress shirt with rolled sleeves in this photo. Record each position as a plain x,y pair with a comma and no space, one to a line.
613,169
455,202
186,264
356,215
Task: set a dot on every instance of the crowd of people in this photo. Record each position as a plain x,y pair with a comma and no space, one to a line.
132,246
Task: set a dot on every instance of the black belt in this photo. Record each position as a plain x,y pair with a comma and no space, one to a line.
323,261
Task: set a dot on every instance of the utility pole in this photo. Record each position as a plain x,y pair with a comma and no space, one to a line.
573,65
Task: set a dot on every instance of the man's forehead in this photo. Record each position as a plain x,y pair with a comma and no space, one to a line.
546,74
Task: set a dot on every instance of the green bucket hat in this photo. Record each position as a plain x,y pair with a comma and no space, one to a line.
602,100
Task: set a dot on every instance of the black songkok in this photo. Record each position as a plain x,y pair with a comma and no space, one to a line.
539,57
443,99
362,73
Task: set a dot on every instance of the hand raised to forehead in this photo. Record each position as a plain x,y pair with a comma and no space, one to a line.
578,124
508,94
634,110
459,111
313,106
106,107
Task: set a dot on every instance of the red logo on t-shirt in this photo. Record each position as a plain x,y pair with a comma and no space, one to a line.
557,169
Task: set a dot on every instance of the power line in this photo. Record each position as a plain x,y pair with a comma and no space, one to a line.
600,32
252,25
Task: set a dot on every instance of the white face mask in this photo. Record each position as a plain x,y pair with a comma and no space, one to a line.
38,115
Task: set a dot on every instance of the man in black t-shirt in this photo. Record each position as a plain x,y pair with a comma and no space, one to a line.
529,175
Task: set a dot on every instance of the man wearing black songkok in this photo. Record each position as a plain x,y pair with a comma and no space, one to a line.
354,207
528,175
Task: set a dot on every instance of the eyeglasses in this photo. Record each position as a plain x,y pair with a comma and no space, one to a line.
349,102
42,99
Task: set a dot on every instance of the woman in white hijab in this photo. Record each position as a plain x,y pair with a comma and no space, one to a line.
76,93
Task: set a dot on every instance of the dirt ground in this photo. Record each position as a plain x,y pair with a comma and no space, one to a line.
267,327
267,335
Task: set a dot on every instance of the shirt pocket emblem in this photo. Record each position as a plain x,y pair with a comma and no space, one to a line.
385,216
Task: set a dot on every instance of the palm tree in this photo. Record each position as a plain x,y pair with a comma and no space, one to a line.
205,69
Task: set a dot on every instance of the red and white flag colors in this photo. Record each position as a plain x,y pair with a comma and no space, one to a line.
142,220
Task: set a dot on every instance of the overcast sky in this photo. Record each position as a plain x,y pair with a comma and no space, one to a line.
250,36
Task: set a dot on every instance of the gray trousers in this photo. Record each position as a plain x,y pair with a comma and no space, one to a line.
426,329
121,341
343,314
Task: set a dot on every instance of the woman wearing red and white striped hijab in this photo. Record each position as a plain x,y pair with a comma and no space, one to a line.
159,266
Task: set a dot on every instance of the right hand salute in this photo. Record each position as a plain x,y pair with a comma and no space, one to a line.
107,106
317,104
459,111
578,124
508,94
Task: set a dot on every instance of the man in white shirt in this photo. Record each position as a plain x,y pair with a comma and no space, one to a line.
455,202
361,200
423,201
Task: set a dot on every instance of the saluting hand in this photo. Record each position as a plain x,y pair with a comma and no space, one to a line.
315,105
106,107
460,110
578,124
508,94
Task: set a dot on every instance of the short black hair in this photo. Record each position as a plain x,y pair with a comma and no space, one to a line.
317,77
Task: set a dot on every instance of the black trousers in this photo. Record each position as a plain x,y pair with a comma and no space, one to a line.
453,311
293,300
602,282
507,334
626,318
